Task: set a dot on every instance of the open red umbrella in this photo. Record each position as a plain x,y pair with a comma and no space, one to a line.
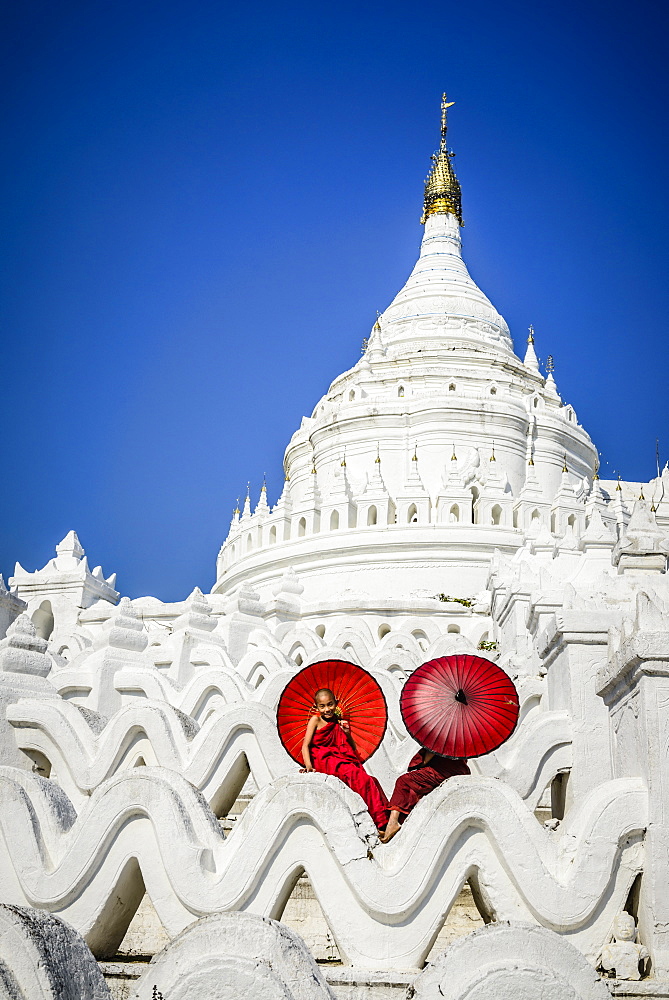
459,706
361,702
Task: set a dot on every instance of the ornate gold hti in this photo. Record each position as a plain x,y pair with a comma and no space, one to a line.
442,191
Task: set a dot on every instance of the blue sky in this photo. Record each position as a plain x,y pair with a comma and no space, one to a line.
204,204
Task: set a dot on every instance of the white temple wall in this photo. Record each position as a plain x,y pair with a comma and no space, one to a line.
382,563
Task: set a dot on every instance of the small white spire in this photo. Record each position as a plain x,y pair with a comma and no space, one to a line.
531,359
550,386
247,502
262,507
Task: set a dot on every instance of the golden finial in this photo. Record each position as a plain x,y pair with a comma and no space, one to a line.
619,488
263,488
653,507
492,456
641,496
531,461
550,364
415,452
454,457
343,461
596,475
286,474
377,460
442,191
564,463
248,490
445,105
236,510
530,339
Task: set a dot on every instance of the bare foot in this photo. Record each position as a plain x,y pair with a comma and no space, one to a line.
391,829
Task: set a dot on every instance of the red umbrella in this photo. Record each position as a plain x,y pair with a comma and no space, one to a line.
361,703
459,706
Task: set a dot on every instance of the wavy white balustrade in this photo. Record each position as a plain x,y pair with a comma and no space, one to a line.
540,747
214,758
218,685
183,665
384,905
239,738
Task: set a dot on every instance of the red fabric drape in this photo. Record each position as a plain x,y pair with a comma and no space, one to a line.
331,753
422,778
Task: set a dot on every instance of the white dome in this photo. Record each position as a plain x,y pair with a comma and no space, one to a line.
437,448
440,305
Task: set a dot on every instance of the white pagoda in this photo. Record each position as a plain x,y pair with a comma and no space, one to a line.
440,498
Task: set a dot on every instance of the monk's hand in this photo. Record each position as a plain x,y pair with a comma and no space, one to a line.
306,770
345,726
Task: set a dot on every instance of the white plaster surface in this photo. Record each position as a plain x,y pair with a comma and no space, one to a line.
375,899
510,962
228,955
42,958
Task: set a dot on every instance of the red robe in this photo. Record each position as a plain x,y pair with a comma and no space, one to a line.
422,778
331,753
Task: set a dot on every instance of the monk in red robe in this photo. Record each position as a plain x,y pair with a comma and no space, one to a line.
426,772
328,747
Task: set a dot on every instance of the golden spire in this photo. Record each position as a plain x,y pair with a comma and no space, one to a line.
454,457
564,463
619,488
343,461
236,510
492,457
442,191
415,452
263,488
641,496
530,339
377,460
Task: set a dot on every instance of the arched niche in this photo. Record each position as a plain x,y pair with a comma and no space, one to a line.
42,619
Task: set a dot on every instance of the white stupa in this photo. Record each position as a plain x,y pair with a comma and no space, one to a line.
439,446
440,500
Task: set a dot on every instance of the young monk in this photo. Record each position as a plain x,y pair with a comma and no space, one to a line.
426,772
328,747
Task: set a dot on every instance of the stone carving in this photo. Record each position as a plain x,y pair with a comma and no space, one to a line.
63,586
644,546
623,955
22,650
